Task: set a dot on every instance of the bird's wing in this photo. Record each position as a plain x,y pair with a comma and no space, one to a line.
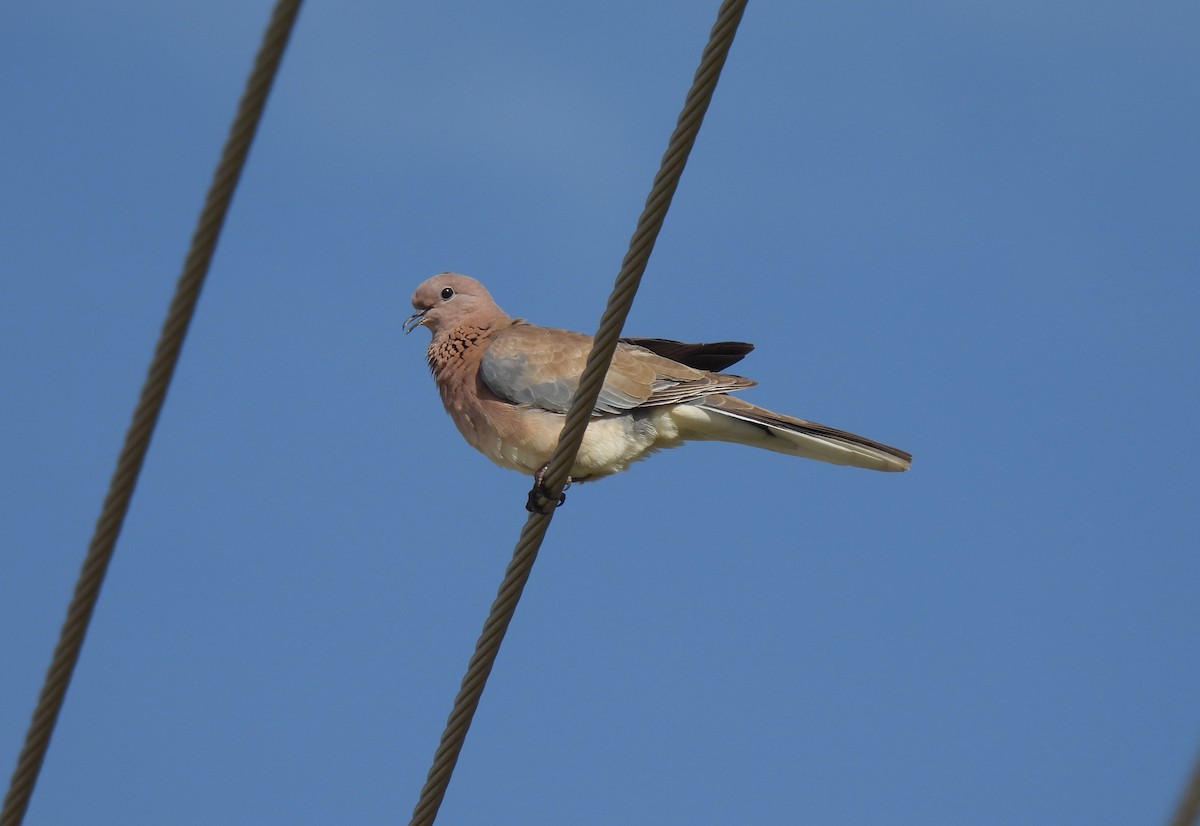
540,367
711,356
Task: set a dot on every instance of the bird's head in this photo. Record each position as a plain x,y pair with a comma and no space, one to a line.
450,300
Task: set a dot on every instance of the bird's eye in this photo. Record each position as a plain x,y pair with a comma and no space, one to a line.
447,293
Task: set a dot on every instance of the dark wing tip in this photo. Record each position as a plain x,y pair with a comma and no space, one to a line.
713,356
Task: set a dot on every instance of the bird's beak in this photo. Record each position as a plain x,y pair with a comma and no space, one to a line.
414,321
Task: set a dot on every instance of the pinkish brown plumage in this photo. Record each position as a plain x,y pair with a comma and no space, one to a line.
507,385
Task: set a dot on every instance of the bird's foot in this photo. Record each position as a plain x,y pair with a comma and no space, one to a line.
540,500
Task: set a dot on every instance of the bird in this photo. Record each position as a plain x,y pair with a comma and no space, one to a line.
508,385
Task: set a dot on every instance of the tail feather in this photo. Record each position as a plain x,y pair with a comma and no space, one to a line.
730,419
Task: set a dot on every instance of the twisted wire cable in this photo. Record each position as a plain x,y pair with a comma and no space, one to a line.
619,303
145,415
1188,811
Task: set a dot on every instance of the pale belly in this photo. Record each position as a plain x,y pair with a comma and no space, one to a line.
610,443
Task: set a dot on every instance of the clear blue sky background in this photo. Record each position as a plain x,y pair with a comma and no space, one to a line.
970,230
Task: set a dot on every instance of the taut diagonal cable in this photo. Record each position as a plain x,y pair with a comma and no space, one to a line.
1187,813
624,289
145,414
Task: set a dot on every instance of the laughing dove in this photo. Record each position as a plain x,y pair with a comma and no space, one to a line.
508,385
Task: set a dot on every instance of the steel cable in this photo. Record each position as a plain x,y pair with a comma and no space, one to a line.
1187,813
145,415
619,303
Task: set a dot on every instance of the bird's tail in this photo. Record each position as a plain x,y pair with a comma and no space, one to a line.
730,419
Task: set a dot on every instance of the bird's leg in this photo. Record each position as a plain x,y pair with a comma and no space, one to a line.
539,493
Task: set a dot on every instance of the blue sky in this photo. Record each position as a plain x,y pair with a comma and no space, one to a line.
969,230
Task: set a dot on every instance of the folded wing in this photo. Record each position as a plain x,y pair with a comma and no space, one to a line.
540,367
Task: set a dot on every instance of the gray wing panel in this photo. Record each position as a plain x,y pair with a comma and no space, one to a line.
509,375
540,367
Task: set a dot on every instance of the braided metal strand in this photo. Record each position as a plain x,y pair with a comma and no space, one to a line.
619,303
145,415
642,243
1188,811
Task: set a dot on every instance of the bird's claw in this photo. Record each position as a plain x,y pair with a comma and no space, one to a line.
540,500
